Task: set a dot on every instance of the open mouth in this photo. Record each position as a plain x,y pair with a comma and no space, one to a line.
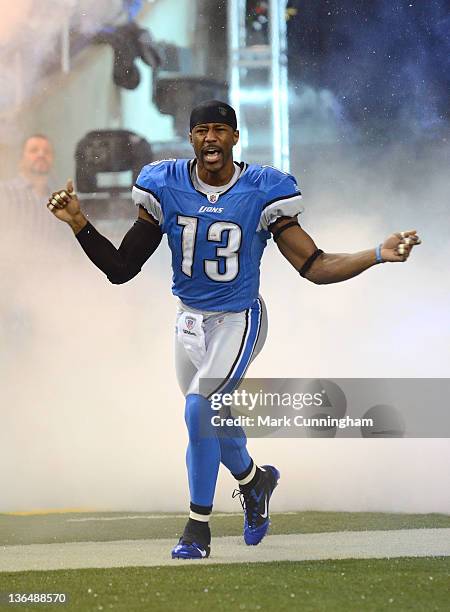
212,154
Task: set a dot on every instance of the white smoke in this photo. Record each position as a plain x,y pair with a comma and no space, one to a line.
91,412
30,37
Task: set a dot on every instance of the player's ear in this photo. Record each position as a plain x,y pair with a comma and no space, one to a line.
236,137
190,138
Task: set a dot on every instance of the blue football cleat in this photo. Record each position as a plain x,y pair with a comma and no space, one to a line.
255,504
188,549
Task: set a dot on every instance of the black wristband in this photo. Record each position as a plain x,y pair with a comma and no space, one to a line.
309,262
277,233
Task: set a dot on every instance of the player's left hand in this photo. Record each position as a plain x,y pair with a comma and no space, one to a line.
398,246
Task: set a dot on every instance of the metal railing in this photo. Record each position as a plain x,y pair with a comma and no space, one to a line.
258,77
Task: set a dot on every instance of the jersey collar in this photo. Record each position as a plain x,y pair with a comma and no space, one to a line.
191,165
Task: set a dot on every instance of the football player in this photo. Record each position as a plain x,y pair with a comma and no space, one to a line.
218,215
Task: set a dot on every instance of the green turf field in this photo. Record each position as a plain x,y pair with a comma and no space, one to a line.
346,585
103,527
335,585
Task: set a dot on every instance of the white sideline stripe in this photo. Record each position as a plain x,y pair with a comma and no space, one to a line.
293,547
156,516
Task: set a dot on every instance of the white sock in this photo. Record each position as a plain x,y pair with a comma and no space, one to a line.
203,518
248,478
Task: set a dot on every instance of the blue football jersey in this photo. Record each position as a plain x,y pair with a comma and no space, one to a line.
217,240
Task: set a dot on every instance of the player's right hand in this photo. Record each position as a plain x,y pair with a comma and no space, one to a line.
64,204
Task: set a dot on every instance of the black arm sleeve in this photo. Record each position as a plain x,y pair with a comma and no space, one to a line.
121,265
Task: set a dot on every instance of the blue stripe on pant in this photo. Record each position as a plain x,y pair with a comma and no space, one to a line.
232,439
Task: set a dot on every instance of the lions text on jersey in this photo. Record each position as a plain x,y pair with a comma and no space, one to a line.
216,243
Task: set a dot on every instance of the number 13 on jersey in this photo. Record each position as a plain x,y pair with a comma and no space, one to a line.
229,252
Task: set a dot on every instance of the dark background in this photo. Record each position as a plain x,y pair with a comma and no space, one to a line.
387,62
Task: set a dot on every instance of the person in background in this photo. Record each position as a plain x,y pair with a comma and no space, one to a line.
29,242
29,239
21,197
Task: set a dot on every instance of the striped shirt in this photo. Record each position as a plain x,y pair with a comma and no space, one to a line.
29,232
